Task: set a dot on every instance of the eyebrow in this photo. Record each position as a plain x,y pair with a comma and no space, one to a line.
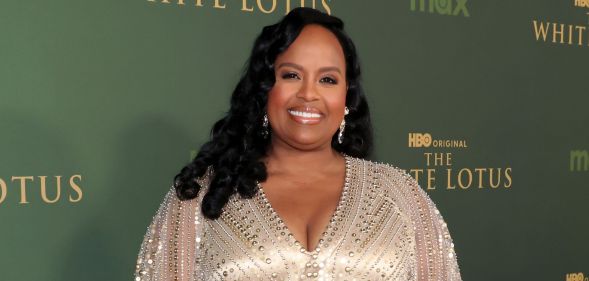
300,68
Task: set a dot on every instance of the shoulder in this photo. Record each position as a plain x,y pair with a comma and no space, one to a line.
382,167
433,244
389,176
393,183
174,226
396,183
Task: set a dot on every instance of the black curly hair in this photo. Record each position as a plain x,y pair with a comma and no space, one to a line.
236,147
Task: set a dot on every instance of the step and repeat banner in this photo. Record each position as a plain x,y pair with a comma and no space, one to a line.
486,103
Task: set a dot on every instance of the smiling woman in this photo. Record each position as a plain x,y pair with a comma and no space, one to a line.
306,104
283,190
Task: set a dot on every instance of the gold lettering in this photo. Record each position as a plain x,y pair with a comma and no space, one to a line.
559,32
218,5
325,6
575,277
571,277
44,189
427,155
2,190
180,2
542,30
327,9
582,3
23,187
508,177
438,159
491,178
265,6
76,188
570,34
431,178
261,7
246,9
449,181
480,171
416,173
580,29
469,173
303,3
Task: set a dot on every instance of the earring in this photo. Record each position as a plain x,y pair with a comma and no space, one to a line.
265,126
342,126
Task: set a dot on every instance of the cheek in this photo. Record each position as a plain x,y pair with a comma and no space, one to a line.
277,98
336,101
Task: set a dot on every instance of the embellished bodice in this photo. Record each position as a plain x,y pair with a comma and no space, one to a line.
385,227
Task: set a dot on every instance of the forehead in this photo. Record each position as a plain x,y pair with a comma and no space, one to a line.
315,46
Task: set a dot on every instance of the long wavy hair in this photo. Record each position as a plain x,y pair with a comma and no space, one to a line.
237,145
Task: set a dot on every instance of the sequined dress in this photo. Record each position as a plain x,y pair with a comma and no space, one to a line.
385,227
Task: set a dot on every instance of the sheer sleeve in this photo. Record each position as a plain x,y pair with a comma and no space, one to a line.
170,247
436,258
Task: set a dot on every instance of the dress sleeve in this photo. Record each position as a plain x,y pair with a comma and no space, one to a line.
170,245
436,258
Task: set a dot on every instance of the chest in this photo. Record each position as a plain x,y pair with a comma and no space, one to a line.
306,208
368,239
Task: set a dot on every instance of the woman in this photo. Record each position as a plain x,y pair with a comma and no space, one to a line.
282,190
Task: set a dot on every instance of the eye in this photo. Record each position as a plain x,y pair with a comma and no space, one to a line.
290,75
328,80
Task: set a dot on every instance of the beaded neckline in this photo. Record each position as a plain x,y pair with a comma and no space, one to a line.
332,221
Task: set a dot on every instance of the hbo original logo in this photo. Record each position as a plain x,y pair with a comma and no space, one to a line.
420,140
582,3
576,277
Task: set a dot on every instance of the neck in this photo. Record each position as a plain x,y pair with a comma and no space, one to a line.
283,158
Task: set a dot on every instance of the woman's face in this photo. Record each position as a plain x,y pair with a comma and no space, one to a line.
306,104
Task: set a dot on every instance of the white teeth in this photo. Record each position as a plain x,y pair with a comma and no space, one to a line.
304,114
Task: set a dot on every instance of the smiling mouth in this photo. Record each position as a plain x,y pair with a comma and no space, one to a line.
304,114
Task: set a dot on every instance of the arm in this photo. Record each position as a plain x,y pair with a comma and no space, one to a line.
436,258
169,247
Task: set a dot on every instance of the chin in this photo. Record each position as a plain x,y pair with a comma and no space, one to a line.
309,143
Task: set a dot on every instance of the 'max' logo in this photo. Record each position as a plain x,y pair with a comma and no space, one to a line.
443,7
579,161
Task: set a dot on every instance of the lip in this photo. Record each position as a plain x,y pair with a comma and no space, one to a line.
305,115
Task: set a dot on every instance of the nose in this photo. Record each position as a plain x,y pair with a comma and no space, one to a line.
308,90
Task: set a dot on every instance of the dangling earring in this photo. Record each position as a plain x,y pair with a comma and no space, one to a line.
265,126
342,126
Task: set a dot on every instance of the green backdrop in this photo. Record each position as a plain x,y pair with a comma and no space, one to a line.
106,100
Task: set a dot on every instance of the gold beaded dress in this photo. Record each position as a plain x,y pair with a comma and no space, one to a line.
385,227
